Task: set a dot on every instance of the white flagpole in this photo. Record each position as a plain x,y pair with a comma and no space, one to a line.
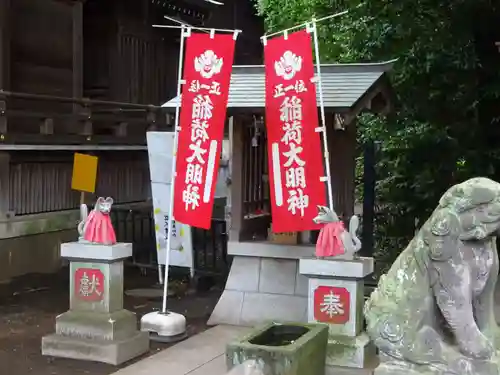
185,33
314,30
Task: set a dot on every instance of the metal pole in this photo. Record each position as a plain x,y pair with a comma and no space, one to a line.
160,274
185,32
305,24
322,112
198,28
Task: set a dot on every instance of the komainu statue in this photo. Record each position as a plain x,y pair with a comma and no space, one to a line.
432,313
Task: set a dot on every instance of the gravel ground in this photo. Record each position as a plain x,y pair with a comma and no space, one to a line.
29,305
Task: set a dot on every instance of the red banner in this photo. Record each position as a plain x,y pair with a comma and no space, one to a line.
295,156
207,71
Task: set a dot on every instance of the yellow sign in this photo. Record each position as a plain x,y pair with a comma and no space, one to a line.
84,173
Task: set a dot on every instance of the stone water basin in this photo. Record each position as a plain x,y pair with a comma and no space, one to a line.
282,349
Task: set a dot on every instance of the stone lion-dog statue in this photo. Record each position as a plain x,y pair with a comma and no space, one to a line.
432,313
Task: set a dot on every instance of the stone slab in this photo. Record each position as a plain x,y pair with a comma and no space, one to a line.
248,309
118,325
333,268
244,274
356,352
261,307
228,309
95,252
301,284
180,359
266,249
260,289
353,309
113,352
277,276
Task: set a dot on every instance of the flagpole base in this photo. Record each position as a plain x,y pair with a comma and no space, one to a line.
164,327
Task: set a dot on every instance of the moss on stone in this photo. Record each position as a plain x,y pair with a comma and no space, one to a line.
51,223
306,355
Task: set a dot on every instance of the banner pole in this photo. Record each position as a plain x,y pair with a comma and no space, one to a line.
185,32
322,112
305,24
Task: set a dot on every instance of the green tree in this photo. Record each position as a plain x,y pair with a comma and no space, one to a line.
447,82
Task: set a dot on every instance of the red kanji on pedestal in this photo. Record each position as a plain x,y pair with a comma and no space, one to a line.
89,284
331,305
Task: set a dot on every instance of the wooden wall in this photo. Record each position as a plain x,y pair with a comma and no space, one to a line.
41,182
39,54
126,59
241,14
99,49
41,47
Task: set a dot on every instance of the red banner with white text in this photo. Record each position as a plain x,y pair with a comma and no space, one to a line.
294,145
207,72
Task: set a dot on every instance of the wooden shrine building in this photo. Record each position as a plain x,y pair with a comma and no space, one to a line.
264,283
86,75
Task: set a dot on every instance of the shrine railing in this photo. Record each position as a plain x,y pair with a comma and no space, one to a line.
210,250
209,246
24,118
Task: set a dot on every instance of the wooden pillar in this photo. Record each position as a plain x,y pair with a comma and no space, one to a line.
4,184
5,6
342,148
5,38
77,52
369,181
235,202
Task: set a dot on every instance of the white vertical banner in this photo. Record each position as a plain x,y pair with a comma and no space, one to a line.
160,146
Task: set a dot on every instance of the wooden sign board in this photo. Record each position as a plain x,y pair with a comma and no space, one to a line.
84,173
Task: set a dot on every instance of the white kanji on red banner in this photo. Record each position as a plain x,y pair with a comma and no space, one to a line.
207,73
295,156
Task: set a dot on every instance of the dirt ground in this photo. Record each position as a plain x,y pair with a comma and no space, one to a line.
29,305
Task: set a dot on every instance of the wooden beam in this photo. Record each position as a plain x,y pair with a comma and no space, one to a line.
68,139
78,50
77,53
28,148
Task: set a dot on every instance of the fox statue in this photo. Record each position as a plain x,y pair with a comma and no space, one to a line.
334,240
96,227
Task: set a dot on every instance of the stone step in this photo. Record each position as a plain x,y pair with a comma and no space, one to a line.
112,352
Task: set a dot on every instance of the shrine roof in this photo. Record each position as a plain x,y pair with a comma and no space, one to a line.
344,85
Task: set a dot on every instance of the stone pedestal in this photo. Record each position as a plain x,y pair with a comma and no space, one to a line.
263,285
96,327
336,298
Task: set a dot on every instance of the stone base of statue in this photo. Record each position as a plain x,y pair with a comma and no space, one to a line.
477,367
96,328
336,297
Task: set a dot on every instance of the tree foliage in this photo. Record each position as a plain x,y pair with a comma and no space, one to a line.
447,83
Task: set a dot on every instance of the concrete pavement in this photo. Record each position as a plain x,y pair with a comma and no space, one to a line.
202,354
